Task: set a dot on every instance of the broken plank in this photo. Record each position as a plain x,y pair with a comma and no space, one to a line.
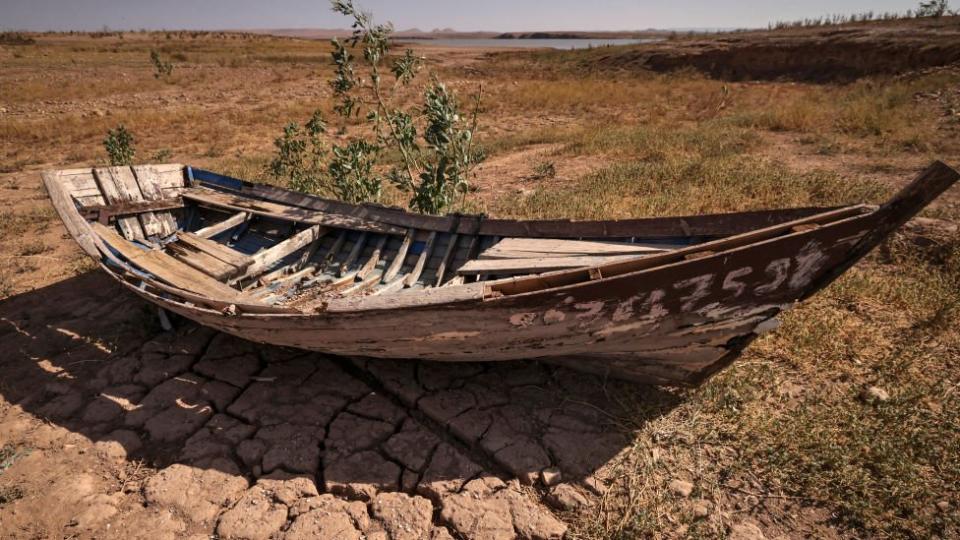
222,226
165,267
287,213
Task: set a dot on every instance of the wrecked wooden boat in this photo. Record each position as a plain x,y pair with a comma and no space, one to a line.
660,300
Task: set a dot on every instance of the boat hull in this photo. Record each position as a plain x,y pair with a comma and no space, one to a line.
674,324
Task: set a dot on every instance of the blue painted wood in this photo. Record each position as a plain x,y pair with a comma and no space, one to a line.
214,179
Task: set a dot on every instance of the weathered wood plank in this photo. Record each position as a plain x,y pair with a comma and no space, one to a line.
130,191
264,259
222,226
511,247
422,261
202,261
451,247
151,181
517,266
129,226
165,267
354,253
373,260
216,250
401,256
283,212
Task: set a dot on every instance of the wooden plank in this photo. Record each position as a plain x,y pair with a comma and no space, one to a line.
263,259
561,248
328,257
373,260
222,226
451,247
151,180
102,212
398,261
422,261
165,267
130,191
202,261
216,250
129,226
528,266
286,213
354,253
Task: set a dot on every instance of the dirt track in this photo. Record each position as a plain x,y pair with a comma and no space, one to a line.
197,433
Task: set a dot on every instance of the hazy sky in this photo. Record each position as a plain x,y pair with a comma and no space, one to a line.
424,14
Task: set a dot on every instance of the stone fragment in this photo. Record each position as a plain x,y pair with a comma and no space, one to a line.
199,493
551,476
681,488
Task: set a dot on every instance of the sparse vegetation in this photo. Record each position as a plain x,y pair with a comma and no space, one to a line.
119,146
544,170
161,68
434,173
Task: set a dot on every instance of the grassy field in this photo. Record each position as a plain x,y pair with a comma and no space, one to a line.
787,436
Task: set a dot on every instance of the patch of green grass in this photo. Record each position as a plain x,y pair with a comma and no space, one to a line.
659,172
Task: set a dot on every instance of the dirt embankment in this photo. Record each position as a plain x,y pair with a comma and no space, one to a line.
825,54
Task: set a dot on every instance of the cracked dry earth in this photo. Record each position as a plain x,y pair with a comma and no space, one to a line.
129,432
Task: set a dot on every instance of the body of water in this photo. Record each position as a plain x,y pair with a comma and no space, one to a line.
528,43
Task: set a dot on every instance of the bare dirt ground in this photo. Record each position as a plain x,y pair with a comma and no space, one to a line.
112,428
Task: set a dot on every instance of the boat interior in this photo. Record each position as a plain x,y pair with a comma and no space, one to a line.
222,238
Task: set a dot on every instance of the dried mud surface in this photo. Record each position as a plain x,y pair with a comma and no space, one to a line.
133,432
